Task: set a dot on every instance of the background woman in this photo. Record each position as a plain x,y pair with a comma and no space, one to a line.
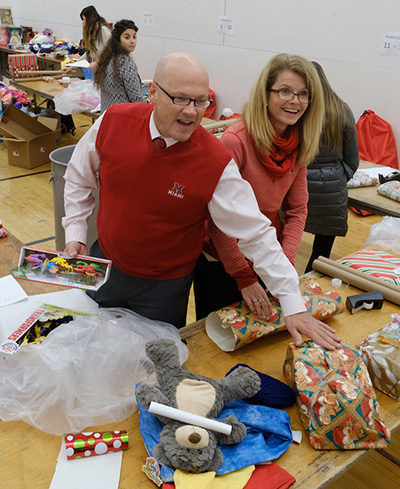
96,33
116,74
272,145
335,164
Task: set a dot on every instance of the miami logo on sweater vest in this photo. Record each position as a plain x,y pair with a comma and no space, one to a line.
177,191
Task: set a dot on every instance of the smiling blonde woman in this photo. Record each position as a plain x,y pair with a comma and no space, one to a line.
272,145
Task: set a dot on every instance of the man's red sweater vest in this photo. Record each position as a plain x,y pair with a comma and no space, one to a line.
153,203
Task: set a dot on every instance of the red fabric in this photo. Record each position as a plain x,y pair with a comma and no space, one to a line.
283,154
153,203
376,142
210,110
269,476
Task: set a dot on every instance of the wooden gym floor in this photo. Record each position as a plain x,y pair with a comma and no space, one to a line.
26,211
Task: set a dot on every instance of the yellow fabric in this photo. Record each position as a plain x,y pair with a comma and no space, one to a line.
184,480
208,480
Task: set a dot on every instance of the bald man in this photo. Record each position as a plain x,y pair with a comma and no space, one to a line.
160,176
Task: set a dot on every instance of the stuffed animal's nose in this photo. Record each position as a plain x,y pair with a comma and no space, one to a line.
192,437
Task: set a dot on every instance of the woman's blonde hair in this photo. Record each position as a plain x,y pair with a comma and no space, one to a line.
334,113
256,116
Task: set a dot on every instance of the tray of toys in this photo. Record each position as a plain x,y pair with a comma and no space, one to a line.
58,268
38,326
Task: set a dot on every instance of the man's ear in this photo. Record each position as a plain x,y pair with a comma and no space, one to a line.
152,92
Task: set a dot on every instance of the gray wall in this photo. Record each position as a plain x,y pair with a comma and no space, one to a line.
344,36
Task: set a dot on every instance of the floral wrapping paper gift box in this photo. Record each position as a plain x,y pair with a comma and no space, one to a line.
336,400
381,353
390,189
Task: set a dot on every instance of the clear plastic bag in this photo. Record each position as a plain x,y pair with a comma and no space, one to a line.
385,234
80,96
84,373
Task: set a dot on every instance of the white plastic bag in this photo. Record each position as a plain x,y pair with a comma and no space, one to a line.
83,374
385,234
80,96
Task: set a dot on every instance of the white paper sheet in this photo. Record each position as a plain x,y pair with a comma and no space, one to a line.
83,63
10,291
98,472
373,172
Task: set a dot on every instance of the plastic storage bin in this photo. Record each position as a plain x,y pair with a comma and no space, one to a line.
59,160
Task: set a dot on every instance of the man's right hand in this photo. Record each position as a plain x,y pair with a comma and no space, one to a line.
74,248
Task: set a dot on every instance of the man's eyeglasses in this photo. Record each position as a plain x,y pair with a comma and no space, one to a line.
285,94
183,101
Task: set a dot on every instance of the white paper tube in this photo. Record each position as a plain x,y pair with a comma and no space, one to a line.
189,418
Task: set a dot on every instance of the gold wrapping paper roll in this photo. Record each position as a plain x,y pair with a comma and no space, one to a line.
363,282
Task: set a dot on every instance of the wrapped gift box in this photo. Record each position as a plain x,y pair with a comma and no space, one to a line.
335,397
21,62
382,357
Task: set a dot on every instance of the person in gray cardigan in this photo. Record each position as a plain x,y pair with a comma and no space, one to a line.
116,74
328,174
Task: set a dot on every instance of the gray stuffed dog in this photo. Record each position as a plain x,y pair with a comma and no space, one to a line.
187,447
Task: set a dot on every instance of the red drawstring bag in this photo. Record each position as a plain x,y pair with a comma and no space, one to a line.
211,109
376,142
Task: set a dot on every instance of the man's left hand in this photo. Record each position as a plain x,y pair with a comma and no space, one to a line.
322,334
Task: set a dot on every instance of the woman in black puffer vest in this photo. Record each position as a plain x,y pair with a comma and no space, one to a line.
329,173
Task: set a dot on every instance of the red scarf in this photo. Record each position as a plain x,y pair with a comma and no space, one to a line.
283,155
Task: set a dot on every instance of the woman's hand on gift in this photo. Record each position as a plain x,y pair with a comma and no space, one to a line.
257,300
321,334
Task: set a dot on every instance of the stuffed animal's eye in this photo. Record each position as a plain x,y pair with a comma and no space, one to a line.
200,452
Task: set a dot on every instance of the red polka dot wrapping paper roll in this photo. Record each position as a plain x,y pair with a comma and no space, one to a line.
89,444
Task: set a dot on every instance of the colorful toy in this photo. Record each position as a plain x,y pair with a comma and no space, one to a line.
51,266
36,260
3,232
90,270
62,264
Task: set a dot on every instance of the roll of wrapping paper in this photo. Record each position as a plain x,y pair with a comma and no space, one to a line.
374,279
89,444
356,278
234,327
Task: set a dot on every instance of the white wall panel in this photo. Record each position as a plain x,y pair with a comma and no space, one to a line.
344,36
178,19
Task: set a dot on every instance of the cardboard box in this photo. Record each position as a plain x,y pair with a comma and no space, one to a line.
21,62
29,141
52,120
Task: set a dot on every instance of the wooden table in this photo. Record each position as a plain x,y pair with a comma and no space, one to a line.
368,199
47,91
28,456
